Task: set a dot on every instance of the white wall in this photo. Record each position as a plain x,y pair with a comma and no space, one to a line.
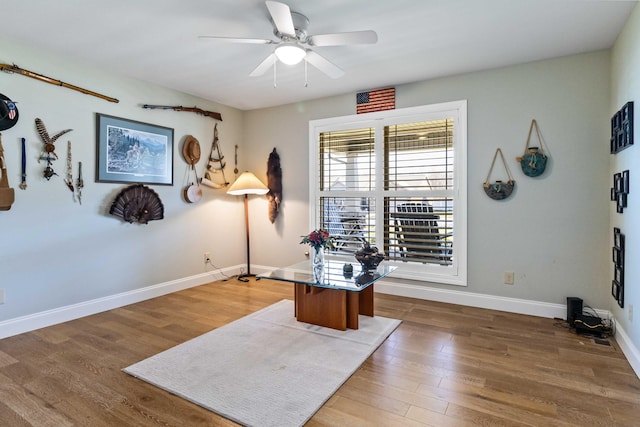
553,231
53,252
626,87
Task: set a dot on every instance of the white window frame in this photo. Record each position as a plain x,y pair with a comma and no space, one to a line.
456,274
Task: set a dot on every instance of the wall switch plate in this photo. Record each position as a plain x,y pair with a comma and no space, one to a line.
508,277
1,296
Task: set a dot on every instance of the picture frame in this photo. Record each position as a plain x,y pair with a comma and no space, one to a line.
618,238
621,202
617,182
622,129
620,190
617,257
615,290
618,275
620,298
130,151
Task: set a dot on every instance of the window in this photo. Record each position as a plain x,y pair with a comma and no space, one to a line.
396,179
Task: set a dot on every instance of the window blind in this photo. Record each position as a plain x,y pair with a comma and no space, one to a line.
347,159
419,162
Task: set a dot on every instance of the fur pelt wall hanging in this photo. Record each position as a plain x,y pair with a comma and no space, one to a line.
274,182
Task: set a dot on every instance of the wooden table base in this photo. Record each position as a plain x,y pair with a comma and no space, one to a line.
332,308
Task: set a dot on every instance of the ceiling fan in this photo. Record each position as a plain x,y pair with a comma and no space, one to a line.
294,44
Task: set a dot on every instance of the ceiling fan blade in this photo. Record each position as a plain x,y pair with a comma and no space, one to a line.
323,65
237,40
337,39
264,66
281,15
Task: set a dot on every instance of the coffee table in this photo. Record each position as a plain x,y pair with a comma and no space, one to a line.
334,299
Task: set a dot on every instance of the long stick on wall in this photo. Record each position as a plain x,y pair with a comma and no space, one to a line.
13,68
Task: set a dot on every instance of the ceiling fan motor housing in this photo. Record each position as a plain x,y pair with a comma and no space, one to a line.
300,24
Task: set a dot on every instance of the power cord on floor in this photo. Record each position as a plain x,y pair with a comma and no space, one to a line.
219,271
604,329
607,324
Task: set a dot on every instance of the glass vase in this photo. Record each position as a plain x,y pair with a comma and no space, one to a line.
317,264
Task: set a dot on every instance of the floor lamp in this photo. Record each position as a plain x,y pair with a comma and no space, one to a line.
247,183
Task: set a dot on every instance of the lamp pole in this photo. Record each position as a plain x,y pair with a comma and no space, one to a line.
246,184
243,277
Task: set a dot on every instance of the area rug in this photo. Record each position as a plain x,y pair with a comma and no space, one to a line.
265,369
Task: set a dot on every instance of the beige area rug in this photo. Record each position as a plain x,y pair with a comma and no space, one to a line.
266,369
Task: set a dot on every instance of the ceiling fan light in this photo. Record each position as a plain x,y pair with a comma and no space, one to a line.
290,53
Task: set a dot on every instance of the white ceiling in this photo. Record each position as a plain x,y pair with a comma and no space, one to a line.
157,40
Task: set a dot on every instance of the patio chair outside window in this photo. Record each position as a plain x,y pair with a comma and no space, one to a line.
419,236
346,226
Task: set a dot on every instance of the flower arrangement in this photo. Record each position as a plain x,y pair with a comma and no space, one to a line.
318,239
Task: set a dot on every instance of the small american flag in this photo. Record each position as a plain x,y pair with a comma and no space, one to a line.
376,100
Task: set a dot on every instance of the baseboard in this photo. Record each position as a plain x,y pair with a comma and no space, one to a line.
628,348
511,305
492,302
43,319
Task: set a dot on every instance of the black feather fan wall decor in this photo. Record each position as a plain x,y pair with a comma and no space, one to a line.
274,182
137,203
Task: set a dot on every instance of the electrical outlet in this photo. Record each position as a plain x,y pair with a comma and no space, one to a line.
508,277
630,312
207,257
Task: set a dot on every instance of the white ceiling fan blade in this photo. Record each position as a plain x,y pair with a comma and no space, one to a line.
264,66
281,15
337,39
237,40
323,65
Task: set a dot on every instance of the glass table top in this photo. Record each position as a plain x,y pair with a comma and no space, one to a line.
332,276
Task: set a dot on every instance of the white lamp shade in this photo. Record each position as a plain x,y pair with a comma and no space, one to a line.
247,183
290,53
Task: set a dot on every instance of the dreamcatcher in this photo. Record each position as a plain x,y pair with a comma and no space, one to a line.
49,153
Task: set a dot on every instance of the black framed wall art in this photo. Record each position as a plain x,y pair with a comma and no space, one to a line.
133,152
620,190
617,284
622,129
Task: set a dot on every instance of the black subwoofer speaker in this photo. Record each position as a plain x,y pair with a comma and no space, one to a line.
574,307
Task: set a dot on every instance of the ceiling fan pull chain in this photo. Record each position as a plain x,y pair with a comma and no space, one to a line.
275,64
306,77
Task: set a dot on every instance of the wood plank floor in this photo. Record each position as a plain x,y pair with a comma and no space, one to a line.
446,365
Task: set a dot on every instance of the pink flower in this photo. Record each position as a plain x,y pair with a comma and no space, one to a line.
318,239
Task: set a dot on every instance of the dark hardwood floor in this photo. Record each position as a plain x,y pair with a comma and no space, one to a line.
446,365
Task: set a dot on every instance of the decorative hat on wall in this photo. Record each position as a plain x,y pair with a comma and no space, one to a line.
191,150
8,113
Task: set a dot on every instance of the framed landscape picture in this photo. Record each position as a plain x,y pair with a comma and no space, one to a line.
133,152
